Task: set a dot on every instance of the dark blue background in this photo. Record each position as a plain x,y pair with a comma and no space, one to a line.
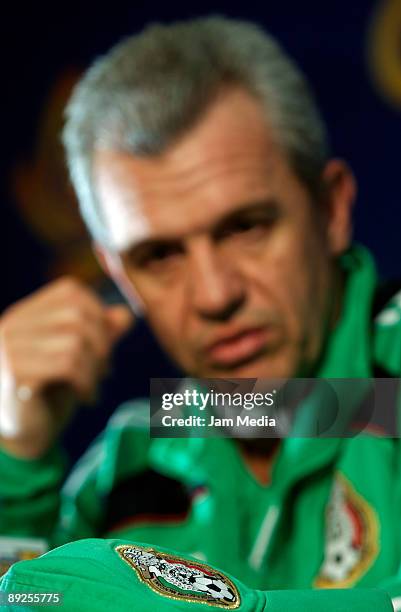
329,40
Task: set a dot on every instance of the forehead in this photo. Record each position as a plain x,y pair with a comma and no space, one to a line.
229,159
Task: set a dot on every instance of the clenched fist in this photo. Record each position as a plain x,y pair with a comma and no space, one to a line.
54,350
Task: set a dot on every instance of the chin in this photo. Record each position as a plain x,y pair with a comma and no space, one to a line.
262,371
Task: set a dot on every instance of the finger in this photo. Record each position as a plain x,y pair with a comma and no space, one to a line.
120,319
78,372
71,360
35,311
83,325
66,330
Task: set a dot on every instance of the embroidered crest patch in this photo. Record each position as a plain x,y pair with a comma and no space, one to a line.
180,579
351,537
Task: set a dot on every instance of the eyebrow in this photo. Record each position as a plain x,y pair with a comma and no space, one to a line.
267,209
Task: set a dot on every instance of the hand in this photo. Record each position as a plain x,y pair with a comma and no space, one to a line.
54,350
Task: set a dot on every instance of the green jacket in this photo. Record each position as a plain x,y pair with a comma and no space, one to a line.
329,518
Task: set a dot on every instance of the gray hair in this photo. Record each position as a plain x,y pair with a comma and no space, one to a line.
152,87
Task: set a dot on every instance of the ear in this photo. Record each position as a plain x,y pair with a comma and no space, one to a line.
340,193
111,265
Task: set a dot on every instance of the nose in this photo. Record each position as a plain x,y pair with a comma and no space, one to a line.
216,287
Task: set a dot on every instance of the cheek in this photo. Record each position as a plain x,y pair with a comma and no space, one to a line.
166,311
164,318
305,279
289,280
165,315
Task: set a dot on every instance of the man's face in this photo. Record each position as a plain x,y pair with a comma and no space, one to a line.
223,245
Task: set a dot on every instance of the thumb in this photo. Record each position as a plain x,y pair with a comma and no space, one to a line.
120,319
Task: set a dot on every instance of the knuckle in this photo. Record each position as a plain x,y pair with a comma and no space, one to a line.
81,297
7,336
10,355
70,286
68,282
4,330
8,317
75,317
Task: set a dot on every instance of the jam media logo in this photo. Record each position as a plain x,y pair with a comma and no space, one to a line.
351,537
180,579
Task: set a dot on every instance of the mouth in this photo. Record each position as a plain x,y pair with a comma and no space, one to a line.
239,348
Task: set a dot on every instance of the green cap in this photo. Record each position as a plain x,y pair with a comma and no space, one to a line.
113,575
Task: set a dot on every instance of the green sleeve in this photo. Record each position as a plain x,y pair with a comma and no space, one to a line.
387,337
120,450
29,494
80,500
33,501
118,575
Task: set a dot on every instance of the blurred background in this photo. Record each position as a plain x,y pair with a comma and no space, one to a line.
351,52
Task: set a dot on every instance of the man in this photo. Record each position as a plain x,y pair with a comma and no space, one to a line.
203,173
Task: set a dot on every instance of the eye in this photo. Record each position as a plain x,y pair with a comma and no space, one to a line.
247,226
160,254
